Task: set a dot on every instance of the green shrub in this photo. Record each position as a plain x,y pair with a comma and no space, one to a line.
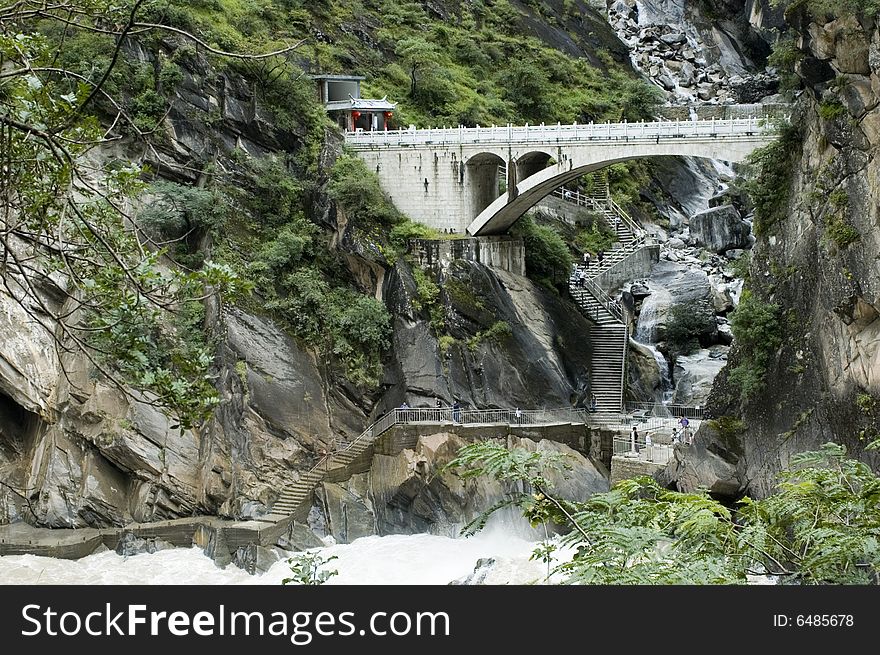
740,266
841,232
831,109
784,58
548,259
497,333
356,189
596,237
758,332
406,230
768,181
685,325
428,298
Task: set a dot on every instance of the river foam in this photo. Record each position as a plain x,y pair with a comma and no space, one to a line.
419,559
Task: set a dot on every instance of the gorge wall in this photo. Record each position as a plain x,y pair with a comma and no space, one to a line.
817,267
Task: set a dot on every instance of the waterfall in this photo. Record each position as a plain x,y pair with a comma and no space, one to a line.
646,334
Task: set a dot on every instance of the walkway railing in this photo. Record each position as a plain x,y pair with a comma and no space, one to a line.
655,452
575,133
661,410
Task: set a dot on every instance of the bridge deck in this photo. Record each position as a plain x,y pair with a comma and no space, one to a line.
560,134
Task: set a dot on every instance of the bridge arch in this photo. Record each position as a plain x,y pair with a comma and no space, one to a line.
532,162
484,179
506,210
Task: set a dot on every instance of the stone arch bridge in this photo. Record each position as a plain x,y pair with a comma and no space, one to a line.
454,179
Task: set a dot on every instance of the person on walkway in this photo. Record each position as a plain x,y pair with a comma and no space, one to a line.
617,224
587,257
518,416
582,278
685,430
404,414
634,439
456,412
600,256
593,402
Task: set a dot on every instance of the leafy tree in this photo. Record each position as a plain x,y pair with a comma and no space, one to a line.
685,326
758,333
548,259
64,231
822,526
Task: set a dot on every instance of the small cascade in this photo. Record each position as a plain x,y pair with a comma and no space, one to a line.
646,328
646,334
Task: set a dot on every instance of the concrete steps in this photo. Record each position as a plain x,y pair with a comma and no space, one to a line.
608,335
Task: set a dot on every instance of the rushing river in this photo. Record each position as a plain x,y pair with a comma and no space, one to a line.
402,559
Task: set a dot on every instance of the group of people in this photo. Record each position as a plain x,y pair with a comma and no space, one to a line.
682,435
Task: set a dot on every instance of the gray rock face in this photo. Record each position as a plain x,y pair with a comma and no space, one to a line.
254,559
695,467
131,544
410,492
828,364
544,361
694,375
720,229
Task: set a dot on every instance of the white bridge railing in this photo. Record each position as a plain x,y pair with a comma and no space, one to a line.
575,133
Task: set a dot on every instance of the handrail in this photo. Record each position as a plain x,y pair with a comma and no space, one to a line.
729,129
663,410
627,219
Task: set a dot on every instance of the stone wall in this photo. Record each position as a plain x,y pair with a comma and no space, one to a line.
623,468
637,265
501,253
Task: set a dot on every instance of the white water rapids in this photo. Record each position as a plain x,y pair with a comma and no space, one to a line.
399,559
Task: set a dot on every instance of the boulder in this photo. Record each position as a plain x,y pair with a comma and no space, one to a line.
254,559
695,467
130,544
720,229
674,39
694,375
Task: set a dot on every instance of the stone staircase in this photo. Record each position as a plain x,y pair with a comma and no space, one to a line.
296,497
609,332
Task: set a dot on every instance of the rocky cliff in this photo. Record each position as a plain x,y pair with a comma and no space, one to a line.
76,451
817,268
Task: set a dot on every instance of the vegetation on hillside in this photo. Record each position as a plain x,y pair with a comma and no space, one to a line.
757,328
476,64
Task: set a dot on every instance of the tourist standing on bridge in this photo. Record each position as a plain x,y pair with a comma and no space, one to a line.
634,439
456,412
